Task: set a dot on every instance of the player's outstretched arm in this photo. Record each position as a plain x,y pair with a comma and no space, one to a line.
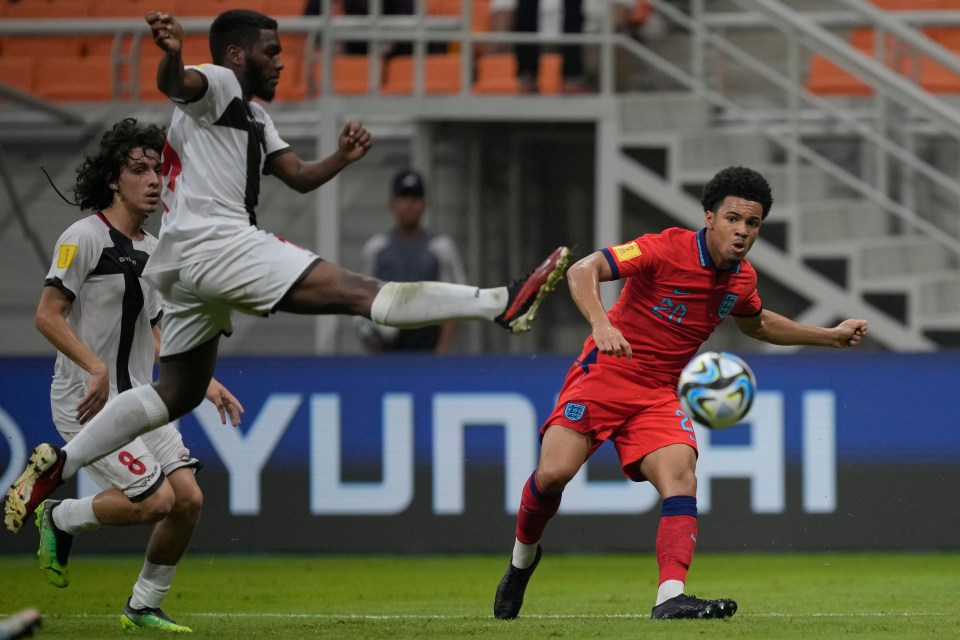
777,329
303,176
172,79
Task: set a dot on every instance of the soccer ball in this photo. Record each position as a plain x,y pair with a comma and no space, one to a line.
717,389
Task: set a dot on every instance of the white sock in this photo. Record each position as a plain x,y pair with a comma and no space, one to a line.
416,304
523,554
75,516
152,585
130,414
669,589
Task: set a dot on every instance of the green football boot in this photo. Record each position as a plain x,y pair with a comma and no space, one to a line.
149,620
54,551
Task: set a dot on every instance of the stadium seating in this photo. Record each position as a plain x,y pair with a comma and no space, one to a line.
42,46
84,79
351,74
441,74
550,77
827,79
19,72
46,9
497,73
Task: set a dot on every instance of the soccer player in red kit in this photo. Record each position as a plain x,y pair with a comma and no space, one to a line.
680,285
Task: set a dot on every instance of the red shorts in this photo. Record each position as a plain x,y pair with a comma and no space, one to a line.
610,401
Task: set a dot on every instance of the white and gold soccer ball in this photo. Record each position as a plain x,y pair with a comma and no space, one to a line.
717,389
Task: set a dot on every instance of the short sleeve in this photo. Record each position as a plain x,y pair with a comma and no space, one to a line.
748,306
76,254
222,88
629,258
272,138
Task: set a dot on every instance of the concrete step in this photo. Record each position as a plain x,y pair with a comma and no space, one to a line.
902,257
830,223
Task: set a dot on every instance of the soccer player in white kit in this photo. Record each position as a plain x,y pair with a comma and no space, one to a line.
212,260
103,319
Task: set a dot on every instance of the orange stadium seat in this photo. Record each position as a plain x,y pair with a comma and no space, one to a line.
827,79
351,74
481,16
909,5
211,8
278,8
398,75
102,45
120,8
42,46
932,76
442,7
47,9
550,77
88,79
18,72
497,73
441,74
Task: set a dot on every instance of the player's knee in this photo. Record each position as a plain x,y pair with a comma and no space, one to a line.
189,504
553,479
182,396
681,483
157,507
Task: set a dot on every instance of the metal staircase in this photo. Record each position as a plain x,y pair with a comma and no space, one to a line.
864,234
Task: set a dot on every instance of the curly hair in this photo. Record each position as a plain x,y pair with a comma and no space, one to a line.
239,27
740,182
94,177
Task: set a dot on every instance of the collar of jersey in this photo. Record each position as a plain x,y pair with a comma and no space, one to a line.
705,260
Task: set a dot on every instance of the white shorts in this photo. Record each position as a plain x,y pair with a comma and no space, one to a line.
252,276
136,467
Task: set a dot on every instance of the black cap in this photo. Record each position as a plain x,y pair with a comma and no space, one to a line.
408,183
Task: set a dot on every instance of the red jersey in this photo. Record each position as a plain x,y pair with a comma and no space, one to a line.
673,299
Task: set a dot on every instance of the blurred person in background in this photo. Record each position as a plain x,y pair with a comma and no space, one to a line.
103,317
679,286
408,253
388,49
556,17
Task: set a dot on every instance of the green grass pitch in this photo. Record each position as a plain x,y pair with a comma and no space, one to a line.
824,595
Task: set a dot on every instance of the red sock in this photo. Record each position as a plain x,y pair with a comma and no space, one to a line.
536,509
676,537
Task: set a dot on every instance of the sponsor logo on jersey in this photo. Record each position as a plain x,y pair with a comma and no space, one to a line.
726,304
66,255
574,411
626,251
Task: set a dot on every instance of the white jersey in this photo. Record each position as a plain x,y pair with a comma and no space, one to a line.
212,162
113,308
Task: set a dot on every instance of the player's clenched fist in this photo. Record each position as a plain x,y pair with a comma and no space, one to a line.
167,32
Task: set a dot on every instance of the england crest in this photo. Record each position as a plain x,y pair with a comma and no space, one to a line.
574,411
726,304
